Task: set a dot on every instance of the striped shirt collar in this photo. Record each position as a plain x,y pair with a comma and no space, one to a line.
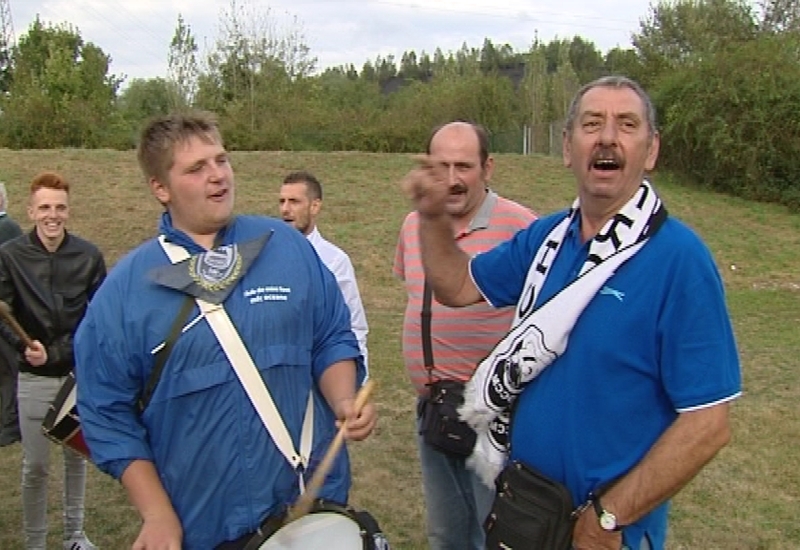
483,215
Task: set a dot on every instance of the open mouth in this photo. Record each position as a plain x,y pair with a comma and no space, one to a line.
606,164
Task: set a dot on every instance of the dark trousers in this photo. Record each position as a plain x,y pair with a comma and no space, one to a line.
9,419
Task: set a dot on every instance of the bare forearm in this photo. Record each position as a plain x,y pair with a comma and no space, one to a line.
338,385
145,490
446,265
161,528
678,455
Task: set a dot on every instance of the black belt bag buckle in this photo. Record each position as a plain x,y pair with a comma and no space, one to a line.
530,512
440,425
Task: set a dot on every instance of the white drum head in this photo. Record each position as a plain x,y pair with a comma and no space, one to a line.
317,531
67,406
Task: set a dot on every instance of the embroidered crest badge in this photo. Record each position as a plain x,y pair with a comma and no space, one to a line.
212,274
216,269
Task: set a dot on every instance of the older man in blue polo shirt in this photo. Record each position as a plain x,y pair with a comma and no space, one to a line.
621,362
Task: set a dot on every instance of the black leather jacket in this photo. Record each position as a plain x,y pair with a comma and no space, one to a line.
48,293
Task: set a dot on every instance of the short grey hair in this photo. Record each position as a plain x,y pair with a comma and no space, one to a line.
613,81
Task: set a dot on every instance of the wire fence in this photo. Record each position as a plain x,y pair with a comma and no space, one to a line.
528,140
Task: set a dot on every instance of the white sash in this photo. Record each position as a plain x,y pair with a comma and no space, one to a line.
250,378
539,336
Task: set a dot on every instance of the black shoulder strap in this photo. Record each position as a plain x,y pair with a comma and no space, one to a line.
163,354
425,318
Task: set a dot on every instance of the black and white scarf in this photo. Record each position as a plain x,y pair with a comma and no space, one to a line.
539,336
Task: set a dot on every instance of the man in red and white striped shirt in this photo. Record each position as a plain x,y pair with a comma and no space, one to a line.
457,502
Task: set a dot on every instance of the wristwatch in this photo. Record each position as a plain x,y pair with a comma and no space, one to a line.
607,520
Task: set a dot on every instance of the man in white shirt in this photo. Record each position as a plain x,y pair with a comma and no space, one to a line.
300,203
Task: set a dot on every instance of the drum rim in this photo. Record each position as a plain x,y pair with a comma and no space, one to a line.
270,526
307,521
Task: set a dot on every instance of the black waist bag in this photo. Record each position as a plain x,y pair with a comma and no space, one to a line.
440,426
530,512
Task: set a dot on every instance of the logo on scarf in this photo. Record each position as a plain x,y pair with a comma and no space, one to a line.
216,269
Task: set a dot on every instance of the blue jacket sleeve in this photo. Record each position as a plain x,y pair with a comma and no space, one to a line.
108,387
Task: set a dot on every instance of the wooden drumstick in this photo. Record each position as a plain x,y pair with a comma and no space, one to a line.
306,500
5,313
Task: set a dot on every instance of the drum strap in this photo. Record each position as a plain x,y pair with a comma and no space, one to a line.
163,353
250,378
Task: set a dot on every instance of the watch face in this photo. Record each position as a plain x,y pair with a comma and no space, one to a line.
608,521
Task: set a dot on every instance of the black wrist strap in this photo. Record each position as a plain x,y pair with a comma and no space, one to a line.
599,510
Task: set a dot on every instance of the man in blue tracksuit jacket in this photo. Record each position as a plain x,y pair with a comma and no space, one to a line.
197,462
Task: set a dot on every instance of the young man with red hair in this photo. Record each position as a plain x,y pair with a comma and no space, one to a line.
47,277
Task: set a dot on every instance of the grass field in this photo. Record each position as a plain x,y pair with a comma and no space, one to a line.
746,499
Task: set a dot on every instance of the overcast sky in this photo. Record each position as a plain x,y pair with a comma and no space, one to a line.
136,33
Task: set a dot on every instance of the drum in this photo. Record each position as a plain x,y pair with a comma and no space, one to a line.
328,527
61,423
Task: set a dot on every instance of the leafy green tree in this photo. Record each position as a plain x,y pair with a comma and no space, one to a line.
730,121
293,52
445,66
425,65
62,93
468,60
678,33
145,98
507,58
584,57
385,68
408,65
489,57
337,113
139,101
623,62
368,72
564,84
415,109
351,72
552,53
537,111
182,65
439,61
586,60
250,76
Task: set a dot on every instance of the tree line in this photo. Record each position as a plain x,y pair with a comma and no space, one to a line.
723,74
